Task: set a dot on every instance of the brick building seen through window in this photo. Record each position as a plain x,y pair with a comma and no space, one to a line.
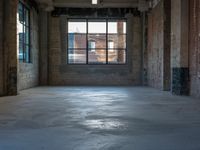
96,41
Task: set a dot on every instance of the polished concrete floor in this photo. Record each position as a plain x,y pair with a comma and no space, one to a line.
99,118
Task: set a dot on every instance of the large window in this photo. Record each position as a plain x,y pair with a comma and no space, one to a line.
23,31
96,41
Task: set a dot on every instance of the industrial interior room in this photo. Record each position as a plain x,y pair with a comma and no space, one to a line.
99,75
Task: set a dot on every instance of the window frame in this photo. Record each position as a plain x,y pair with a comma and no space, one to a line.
26,25
106,20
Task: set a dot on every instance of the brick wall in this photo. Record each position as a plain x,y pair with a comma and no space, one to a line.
8,60
195,47
158,50
28,74
1,48
62,74
10,47
156,46
136,51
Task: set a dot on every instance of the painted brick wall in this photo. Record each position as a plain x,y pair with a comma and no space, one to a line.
195,47
62,74
28,74
156,46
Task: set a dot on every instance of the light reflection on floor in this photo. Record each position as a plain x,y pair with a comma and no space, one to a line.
104,124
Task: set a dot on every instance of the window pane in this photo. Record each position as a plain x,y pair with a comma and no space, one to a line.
96,27
97,56
20,28
117,27
27,36
116,56
91,44
77,27
26,16
99,39
20,13
76,40
119,40
20,36
124,27
27,53
77,56
110,45
21,39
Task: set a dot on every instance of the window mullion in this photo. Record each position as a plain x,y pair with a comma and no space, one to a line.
87,42
106,41
67,41
24,40
29,36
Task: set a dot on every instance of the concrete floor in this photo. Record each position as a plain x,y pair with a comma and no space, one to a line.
99,118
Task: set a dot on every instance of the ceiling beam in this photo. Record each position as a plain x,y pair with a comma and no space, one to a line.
48,5
101,5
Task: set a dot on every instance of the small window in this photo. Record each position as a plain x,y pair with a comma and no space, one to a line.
23,32
92,46
111,45
99,41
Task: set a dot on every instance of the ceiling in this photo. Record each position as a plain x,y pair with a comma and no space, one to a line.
81,3
50,4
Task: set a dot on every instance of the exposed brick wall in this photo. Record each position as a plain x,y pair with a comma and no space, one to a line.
136,55
63,74
158,49
28,74
10,47
8,60
195,47
156,46
1,48
43,47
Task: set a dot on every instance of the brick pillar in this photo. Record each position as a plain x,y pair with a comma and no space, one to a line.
1,49
10,47
194,39
179,46
43,55
167,46
120,27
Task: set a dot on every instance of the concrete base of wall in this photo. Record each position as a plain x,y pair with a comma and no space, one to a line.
180,82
